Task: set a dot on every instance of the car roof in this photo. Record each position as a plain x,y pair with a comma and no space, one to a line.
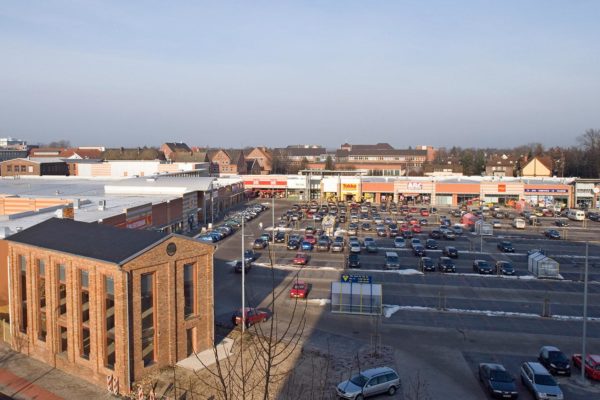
595,358
494,366
376,371
537,368
549,348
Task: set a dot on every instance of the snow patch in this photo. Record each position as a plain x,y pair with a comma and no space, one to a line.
388,311
320,302
232,263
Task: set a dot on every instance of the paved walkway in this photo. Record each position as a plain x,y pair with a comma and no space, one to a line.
23,378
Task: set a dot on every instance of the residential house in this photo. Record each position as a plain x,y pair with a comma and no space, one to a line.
537,166
226,162
381,159
34,167
263,156
170,149
501,165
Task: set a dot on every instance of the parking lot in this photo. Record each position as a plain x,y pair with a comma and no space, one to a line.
439,317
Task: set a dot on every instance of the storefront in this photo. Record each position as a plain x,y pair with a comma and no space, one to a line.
505,194
456,192
586,193
330,188
296,187
545,195
350,188
266,186
378,190
415,192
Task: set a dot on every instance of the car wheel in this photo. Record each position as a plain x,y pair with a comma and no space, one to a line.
392,390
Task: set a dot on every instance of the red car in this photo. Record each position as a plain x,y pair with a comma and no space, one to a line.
301,259
251,316
299,290
592,365
424,213
414,210
310,239
404,228
413,221
416,228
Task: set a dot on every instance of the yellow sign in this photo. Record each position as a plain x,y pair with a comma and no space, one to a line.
349,186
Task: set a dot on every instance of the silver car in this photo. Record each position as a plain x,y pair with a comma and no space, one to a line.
539,381
369,383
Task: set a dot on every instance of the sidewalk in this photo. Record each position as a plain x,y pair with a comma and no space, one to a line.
24,378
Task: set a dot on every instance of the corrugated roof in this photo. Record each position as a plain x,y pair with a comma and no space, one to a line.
100,242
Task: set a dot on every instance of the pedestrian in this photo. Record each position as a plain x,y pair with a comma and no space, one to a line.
260,225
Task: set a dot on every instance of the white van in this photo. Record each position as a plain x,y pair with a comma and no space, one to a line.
518,223
575,215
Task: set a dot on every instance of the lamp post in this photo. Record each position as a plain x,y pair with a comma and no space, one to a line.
585,290
243,278
273,183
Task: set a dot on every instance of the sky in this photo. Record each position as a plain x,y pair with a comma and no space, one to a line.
248,73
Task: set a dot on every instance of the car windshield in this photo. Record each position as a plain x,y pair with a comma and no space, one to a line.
500,376
298,286
359,380
545,380
557,356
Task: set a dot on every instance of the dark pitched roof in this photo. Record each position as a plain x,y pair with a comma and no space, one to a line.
302,151
367,147
177,147
196,156
377,152
100,242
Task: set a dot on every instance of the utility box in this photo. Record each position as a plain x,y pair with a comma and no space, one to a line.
483,228
543,267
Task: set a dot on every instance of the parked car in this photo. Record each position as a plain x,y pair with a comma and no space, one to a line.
381,232
293,244
555,361
301,259
371,247
299,290
338,244
353,260
369,383
416,228
399,242
280,237
458,230
448,234
506,247
426,264
415,242
323,245
496,224
365,226
497,381
482,267
259,243
392,261
561,222
539,381
505,268
592,365
431,244
353,229
445,264
238,267
450,251
250,316
306,246
435,234
354,245
419,250
552,234
311,239
250,256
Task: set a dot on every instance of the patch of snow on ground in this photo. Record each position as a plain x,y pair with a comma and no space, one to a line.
320,302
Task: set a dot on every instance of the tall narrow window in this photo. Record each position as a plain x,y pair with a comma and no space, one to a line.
85,314
148,322
109,328
62,290
23,292
188,289
41,288
63,339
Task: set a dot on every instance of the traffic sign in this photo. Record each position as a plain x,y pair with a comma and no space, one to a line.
356,278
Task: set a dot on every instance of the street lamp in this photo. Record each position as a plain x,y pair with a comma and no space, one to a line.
273,183
585,291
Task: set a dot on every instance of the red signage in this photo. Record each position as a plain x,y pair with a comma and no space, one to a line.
501,188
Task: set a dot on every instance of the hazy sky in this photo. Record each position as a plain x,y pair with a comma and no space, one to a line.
231,74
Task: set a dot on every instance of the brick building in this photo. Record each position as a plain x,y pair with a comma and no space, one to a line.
34,167
227,162
98,301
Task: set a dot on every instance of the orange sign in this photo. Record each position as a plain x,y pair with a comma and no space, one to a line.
501,188
349,186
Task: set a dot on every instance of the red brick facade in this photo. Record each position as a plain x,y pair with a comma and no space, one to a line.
170,326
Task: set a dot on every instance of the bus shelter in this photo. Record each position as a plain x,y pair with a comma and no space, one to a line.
356,296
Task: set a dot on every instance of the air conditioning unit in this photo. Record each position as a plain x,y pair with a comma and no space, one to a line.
102,205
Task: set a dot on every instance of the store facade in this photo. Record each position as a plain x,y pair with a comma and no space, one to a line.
415,191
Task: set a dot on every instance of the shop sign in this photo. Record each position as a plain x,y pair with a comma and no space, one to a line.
415,186
349,187
502,188
549,190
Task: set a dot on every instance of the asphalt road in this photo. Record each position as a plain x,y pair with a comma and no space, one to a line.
445,345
